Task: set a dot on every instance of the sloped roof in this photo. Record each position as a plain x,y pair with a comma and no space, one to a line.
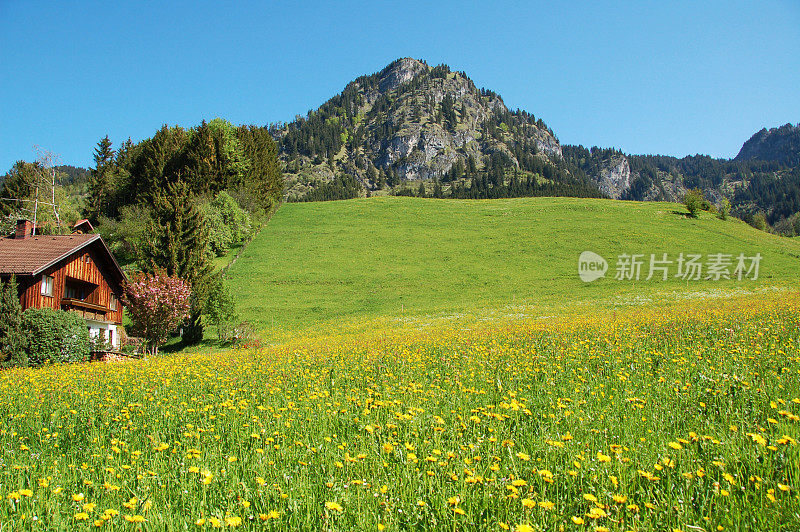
32,255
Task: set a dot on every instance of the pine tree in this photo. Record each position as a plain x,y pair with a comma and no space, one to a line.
100,184
12,338
178,246
437,190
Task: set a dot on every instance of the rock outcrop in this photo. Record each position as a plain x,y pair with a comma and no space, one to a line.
614,178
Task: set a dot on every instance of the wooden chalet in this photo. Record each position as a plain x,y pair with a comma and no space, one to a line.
74,272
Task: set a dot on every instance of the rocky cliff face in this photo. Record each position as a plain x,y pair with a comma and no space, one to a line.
614,178
412,122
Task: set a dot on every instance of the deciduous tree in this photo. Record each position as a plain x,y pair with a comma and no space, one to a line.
157,305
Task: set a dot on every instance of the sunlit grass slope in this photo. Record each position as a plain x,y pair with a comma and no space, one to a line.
347,260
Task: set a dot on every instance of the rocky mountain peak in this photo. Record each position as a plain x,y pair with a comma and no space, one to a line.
399,72
410,122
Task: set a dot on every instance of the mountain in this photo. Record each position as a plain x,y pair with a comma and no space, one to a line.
411,122
413,129
779,144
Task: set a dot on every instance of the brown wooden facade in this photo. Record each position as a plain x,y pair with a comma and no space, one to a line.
81,283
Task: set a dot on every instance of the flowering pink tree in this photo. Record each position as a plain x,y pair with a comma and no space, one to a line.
157,305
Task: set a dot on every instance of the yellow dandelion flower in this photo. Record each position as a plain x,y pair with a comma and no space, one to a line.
335,506
528,503
596,513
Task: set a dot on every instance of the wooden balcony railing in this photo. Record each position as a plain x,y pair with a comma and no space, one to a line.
79,303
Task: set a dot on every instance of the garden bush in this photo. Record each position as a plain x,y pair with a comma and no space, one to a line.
55,336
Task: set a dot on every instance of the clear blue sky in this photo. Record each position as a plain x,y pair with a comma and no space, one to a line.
675,78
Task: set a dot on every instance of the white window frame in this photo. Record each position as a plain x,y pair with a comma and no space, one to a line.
47,285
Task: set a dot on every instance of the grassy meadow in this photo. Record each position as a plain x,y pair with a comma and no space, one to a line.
344,261
438,365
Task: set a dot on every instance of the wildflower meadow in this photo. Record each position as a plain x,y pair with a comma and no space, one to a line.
683,417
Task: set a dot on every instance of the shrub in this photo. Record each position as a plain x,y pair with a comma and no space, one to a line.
724,209
758,220
220,310
694,201
55,336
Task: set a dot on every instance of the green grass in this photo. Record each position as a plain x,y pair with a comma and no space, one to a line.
354,260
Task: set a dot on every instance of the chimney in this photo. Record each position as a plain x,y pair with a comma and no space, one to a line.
25,229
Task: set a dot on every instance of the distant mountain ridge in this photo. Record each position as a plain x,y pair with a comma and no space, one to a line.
779,144
416,129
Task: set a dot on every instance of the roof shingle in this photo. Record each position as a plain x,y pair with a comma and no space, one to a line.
29,256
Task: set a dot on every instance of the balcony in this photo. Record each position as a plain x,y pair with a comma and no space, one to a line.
81,304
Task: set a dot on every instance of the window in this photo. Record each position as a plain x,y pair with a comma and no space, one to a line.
47,286
73,291
86,258
112,304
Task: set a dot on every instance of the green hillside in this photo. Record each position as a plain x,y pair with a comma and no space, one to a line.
341,261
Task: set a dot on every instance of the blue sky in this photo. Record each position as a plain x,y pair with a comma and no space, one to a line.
675,78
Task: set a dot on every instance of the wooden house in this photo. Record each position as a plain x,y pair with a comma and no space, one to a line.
76,273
